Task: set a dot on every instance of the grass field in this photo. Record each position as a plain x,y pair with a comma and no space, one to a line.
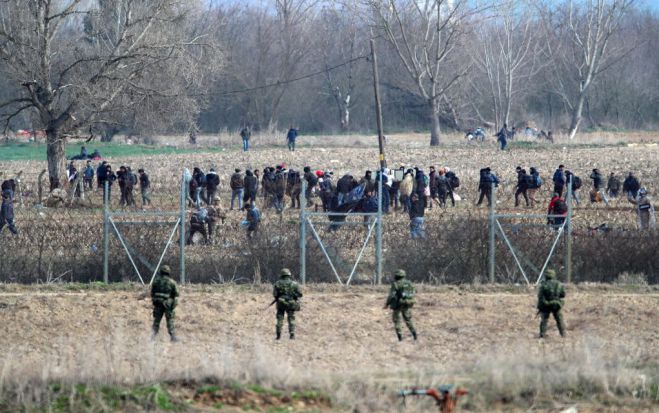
82,348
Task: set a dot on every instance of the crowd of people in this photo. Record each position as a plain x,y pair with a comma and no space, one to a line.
407,189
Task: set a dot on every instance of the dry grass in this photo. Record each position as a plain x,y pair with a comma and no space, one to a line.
345,346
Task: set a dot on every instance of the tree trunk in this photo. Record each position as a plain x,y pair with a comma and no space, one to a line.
435,129
576,116
56,158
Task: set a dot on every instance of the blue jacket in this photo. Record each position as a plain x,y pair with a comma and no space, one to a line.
559,177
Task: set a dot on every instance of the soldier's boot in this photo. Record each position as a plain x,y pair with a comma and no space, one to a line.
400,336
173,338
414,335
154,333
292,336
278,337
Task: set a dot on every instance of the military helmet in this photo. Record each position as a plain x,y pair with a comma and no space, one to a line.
399,274
285,272
165,270
550,274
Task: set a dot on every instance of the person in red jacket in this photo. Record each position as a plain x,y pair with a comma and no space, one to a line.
557,206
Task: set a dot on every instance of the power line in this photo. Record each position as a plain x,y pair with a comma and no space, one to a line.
285,82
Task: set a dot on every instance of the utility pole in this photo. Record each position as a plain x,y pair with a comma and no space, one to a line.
378,106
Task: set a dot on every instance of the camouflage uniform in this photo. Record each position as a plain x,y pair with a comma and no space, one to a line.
164,297
550,301
401,300
286,293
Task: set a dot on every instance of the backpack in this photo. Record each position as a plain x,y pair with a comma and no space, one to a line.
453,180
293,177
426,180
356,194
576,182
199,217
560,207
280,181
537,181
405,295
255,214
313,180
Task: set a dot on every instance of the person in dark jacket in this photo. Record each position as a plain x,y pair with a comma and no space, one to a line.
523,180
416,212
613,185
487,178
291,137
122,178
559,180
245,134
212,183
145,187
630,186
110,178
101,173
502,137
237,188
368,182
7,211
598,187
343,187
199,176
88,176
250,184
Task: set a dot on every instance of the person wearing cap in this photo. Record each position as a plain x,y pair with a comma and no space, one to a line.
550,301
164,296
644,210
400,300
287,294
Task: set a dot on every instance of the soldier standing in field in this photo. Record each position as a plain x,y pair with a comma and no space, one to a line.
287,294
550,301
164,296
400,300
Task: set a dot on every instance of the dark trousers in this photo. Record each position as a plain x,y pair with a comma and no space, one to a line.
558,189
10,224
485,193
521,191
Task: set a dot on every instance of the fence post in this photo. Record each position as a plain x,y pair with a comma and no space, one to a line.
303,234
568,234
492,238
106,231
182,217
378,234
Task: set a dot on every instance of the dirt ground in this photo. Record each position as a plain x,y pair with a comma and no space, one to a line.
227,332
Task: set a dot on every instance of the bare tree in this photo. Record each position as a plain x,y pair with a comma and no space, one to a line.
508,53
425,35
81,64
580,35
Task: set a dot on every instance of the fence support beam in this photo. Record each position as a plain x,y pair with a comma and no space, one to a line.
106,232
303,234
568,235
492,238
182,231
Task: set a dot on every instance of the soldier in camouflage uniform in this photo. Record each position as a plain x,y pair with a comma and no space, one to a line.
400,300
164,296
287,294
550,301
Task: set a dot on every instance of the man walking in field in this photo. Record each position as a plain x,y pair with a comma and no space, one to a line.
7,211
598,187
145,187
287,294
164,296
245,134
550,301
401,300
291,136
559,180
237,184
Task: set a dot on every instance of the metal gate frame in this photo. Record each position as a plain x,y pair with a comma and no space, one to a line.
108,220
376,223
496,227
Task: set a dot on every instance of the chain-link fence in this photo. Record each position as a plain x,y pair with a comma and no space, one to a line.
64,242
